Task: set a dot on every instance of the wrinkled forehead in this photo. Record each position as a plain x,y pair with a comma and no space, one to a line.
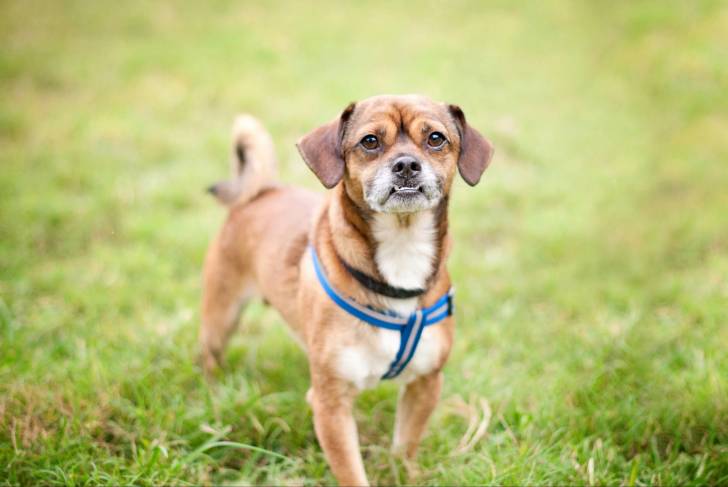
393,114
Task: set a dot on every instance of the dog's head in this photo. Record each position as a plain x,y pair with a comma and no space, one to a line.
396,154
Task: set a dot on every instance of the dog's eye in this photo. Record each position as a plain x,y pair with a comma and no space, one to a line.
436,140
370,142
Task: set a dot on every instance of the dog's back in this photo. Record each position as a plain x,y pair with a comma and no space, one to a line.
267,236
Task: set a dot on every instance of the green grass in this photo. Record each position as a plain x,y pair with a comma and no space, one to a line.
591,263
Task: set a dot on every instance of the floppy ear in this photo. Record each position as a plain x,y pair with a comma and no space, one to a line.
475,150
321,149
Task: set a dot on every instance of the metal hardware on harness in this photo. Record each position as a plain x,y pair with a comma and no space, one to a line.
409,327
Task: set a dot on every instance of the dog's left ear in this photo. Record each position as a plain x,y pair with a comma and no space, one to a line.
321,149
475,150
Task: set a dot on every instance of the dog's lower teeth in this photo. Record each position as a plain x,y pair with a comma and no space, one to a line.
396,189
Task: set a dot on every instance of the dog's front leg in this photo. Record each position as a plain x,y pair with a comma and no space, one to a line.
416,403
332,401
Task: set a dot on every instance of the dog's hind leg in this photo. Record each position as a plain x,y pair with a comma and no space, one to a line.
225,294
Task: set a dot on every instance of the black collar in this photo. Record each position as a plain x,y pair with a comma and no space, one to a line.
380,287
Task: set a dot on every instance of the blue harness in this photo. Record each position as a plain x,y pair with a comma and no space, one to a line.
409,327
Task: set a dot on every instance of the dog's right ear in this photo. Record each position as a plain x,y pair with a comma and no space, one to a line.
321,149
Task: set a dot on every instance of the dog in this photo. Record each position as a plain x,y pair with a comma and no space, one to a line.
356,274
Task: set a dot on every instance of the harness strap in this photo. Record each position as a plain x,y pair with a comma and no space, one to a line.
408,341
410,328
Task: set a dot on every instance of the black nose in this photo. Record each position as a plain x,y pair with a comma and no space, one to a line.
406,166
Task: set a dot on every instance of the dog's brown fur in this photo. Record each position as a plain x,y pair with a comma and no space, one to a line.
262,250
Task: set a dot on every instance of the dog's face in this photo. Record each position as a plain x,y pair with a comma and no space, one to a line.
396,154
400,154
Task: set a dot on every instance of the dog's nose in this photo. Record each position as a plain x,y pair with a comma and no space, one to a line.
406,166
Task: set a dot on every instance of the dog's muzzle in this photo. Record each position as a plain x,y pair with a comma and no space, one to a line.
405,185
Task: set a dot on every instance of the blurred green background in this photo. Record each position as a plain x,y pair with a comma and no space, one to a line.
591,262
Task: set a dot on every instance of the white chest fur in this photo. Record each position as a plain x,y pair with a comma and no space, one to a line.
366,362
405,256
405,253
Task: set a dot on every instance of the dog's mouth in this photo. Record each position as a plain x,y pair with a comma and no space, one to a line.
402,195
406,190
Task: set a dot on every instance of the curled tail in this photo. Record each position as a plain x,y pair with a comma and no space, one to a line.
253,163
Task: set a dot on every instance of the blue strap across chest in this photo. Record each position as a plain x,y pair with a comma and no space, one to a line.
409,327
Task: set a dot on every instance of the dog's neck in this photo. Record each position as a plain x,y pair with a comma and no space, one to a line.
402,250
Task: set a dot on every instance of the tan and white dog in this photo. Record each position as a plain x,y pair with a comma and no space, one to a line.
380,233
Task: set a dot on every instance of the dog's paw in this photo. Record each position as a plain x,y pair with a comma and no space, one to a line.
407,458
210,363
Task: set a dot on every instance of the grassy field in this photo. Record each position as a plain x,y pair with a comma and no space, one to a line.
591,263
